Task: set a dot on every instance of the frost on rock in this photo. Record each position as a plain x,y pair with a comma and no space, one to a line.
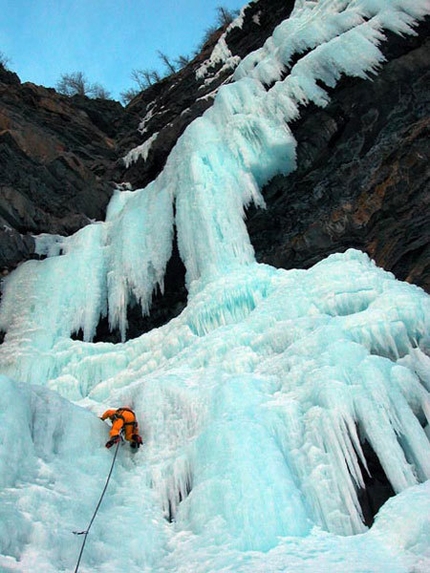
221,53
258,402
140,151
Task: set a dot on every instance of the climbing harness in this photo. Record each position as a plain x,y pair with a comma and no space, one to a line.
118,416
86,531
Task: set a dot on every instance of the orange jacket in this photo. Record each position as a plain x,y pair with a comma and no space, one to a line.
122,419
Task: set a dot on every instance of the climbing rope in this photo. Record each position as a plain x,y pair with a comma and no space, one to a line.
85,532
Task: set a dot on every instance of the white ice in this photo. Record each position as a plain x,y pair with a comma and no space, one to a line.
141,151
255,401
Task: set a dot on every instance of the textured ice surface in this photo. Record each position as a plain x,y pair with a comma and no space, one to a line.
254,403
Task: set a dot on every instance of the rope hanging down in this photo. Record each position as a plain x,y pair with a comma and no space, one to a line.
85,532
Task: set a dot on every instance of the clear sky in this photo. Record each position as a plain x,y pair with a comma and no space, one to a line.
105,39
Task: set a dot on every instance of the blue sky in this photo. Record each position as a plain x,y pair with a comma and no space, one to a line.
105,39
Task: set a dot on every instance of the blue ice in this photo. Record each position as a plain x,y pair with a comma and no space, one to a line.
255,401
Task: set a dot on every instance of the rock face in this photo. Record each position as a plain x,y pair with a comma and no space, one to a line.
61,157
362,177
55,157
167,107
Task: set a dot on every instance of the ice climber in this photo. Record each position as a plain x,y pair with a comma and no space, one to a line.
124,423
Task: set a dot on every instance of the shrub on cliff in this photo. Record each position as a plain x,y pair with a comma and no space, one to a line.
76,83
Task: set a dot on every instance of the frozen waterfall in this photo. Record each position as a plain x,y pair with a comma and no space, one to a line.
256,402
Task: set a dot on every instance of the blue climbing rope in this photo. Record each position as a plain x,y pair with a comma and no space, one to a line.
86,531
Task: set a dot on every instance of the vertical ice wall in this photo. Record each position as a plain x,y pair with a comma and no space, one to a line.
217,168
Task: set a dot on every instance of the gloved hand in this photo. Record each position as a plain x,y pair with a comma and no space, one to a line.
136,441
113,441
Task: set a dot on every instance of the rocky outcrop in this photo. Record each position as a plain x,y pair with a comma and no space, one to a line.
61,157
169,106
55,157
361,181
363,178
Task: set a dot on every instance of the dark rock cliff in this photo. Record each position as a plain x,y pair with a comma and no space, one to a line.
363,176
61,157
361,181
55,153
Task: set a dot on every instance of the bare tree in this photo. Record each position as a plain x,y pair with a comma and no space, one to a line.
207,37
99,92
128,95
224,16
166,61
143,78
182,61
4,60
77,84
73,84
156,77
